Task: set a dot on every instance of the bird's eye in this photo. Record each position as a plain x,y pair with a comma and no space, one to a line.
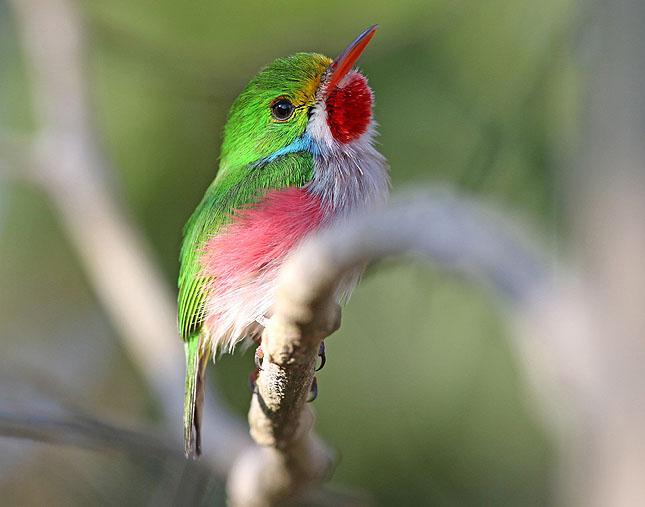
282,109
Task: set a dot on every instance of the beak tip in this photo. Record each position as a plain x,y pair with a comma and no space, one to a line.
346,60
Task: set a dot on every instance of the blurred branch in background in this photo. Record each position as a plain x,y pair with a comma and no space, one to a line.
66,160
595,333
38,412
16,160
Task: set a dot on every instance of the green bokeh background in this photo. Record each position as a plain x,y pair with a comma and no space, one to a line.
421,396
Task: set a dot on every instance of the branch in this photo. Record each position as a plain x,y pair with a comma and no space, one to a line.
117,260
453,232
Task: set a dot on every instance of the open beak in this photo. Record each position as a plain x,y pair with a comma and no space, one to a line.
346,60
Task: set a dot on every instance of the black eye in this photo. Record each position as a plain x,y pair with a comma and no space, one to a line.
282,109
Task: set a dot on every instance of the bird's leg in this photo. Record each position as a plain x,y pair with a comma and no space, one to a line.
259,356
322,356
259,353
313,390
253,376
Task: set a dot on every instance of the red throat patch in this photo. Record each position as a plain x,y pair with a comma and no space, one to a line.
349,109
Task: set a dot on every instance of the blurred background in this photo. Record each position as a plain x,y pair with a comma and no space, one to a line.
421,396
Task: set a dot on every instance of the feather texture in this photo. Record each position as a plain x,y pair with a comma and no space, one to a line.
196,362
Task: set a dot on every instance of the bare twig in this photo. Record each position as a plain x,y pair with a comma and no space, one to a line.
43,411
69,165
86,432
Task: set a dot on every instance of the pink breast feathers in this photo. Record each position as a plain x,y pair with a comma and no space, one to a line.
243,259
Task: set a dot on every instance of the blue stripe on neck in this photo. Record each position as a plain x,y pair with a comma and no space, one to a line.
302,143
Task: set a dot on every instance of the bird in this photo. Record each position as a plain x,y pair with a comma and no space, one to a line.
298,154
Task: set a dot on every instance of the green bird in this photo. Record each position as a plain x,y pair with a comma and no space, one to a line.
297,154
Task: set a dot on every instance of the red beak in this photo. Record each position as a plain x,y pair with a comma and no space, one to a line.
346,60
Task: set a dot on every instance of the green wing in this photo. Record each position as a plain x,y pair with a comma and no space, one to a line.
196,361
231,190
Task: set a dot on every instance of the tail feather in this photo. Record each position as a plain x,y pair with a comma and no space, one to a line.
196,362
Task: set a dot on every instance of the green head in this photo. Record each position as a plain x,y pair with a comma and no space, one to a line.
305,102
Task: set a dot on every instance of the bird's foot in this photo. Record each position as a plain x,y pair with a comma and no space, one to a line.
259,357
322,356
253,376
313,391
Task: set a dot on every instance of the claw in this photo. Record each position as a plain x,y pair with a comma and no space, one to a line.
322,356
313,391
259,356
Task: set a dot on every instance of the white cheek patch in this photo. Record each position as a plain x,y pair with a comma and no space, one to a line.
318,128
